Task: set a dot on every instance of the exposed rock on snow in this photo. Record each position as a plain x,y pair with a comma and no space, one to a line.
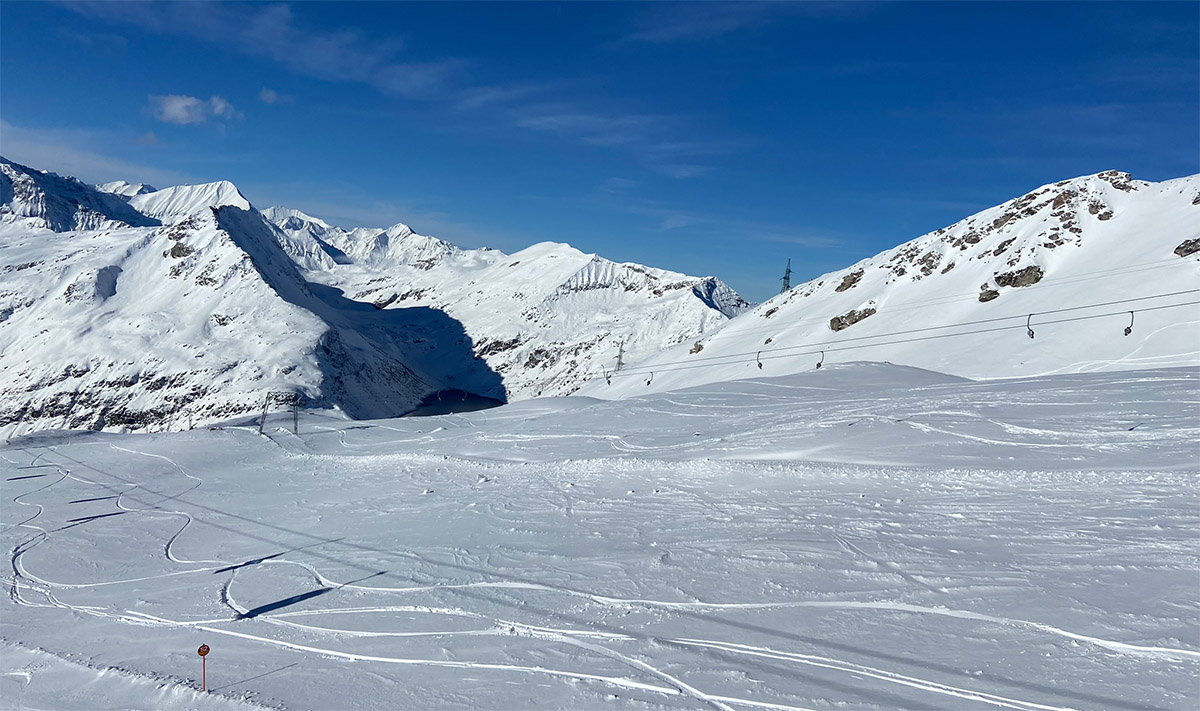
1091,240
848,319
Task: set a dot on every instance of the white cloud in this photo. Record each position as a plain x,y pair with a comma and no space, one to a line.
182,109
179,109
270,96
221,108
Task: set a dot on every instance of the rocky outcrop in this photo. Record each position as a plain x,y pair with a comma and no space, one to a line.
848,319
1020,277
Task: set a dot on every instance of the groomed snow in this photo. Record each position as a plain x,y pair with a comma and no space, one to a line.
862,537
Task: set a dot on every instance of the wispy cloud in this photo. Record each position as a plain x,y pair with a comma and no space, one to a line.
801,240
870,66
652,138
271,31
345,55
103,42
681,171
347,205
597,128
479,97
683,22
71,153
181,109
270,96
697,21
664,217
617,186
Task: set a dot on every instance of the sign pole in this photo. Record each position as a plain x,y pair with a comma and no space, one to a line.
203,652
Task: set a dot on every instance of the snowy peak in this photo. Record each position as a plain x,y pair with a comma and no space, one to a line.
42,200
121,188
316,244
600,273
185,200
290,219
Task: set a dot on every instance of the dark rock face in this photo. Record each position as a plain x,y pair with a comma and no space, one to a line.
1020,277
850,280
487,347
838,323
1187,247
1119,180
986,294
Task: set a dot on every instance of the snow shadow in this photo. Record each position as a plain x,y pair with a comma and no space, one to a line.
447,402
376,363
252,678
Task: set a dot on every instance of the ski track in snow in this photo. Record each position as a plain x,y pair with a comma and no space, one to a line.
656,662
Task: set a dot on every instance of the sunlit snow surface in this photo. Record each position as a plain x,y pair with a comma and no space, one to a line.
860,537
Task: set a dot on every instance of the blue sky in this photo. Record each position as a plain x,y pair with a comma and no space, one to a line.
708,138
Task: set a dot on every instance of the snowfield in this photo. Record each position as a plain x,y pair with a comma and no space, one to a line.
865,536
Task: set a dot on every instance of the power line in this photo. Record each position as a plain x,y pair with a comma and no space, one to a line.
835,346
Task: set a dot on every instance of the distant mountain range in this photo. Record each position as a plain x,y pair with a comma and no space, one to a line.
123,307
126,307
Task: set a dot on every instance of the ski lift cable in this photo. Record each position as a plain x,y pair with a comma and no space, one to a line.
916,339
1049,281
933,328
732,359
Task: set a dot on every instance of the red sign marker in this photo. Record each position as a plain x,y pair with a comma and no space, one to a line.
203,671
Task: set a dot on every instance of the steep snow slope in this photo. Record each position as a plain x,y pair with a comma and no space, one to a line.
194,321
1077,255
36,200
542,317
184,200
185,324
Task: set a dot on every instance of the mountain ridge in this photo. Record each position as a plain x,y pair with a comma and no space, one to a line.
1047,250
200,309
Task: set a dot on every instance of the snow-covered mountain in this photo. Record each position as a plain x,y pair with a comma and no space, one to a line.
124,189
136,308
545,318
142,325
131,308
35,199
1068,261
